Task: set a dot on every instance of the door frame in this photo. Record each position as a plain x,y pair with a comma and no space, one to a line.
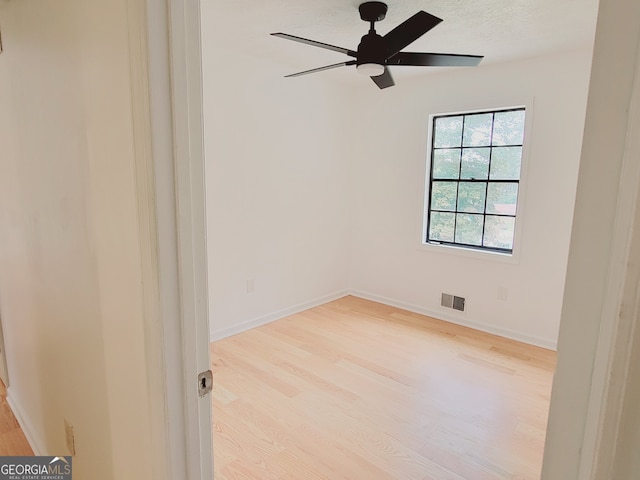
598,324
621,312
166,55
188,128
612,353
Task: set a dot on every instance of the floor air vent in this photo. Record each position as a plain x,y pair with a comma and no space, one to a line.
451,301
447,300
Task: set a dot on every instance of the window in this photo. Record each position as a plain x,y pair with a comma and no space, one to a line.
474,179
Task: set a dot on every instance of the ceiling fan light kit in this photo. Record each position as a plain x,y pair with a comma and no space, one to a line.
375,52
370,69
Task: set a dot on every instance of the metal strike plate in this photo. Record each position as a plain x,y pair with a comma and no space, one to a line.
205,383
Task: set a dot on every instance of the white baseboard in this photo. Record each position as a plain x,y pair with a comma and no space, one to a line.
27,428
502,332
272,317
550,344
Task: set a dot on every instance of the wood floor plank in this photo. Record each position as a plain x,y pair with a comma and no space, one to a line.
12,440
358,390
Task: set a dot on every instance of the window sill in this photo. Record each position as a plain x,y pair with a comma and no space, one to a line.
484,255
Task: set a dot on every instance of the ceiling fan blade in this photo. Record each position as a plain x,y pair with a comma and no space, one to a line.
326,46
409,31
385,80
434,59
320,69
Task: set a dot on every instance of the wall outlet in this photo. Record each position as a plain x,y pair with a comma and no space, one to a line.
70,438
250,285
503,293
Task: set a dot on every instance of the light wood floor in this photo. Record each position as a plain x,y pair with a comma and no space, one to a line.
12,440
358,390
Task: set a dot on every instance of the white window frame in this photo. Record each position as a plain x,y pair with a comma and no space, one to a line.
469,252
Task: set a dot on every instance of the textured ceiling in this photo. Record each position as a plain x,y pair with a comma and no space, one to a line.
501,30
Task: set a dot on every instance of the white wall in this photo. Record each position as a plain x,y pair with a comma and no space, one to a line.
70,261
277,185
316,188
389,153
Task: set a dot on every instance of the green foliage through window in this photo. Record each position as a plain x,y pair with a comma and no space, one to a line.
474,179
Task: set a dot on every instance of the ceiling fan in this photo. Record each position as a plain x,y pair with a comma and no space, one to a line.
375,53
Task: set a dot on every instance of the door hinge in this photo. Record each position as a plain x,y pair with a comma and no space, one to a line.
205,383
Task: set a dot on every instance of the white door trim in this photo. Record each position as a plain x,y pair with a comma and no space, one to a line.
602,300
620,312
186,75
168,60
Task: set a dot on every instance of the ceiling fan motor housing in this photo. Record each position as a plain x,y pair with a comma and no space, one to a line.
372,49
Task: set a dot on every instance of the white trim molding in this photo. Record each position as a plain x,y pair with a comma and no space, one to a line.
585,438
620,313
272,317
186,77
550,344
547,343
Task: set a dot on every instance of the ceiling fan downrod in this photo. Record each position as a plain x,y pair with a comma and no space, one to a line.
371,50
